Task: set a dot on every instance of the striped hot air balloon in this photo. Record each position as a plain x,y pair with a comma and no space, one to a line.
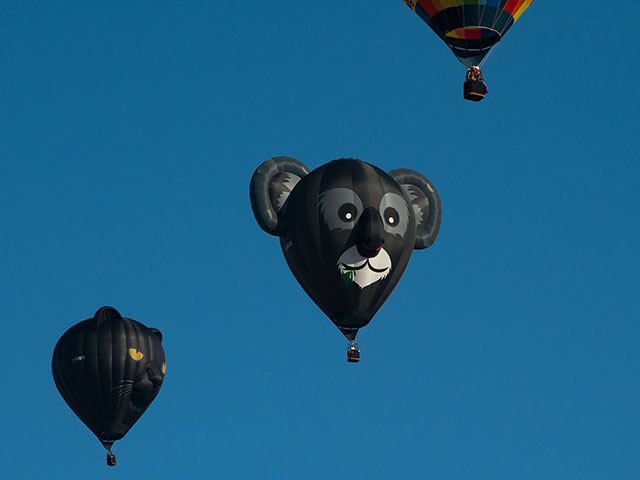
470,28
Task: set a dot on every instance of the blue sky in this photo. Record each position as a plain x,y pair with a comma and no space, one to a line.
510,349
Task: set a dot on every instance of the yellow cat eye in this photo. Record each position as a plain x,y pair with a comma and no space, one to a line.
135,354
164,368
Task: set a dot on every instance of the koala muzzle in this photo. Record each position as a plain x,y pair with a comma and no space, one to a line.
369,233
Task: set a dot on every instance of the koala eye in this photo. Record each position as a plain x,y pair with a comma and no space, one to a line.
395,213
391,216
340,208
347,212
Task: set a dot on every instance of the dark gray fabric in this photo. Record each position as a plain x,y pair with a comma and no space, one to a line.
266,184
109,369
423,196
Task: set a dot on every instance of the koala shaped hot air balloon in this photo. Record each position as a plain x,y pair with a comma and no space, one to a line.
109,369
347,230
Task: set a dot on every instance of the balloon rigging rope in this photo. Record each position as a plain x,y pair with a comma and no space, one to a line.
510,51
489,55
481,15
513,47
364,338
496,15
448,25
326,339
495,19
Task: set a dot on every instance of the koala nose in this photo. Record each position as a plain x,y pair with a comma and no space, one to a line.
369,233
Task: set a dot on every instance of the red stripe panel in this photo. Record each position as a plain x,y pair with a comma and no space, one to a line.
473,33
512,6
429,7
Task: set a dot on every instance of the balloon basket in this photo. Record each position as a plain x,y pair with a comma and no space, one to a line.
353,354
111,459
474,90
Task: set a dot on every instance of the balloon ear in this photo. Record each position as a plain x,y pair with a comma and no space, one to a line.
106,314
271,184
157,333
425,201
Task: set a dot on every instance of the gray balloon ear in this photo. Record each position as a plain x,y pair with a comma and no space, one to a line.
271,184
425,201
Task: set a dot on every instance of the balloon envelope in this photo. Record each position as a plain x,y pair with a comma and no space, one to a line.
326,208
470,28
347,230
109,369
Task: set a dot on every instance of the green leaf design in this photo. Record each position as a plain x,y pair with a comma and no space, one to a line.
346,278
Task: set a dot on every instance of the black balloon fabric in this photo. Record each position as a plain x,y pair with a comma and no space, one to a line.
109,369
347,229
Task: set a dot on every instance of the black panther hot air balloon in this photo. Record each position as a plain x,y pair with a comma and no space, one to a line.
109,369
347,231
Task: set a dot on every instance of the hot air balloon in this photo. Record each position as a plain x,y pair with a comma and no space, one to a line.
347,231
470,28
109,369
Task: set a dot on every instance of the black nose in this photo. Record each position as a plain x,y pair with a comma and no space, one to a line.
157,383
369,231
154,375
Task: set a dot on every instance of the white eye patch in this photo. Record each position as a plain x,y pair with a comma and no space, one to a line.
395,213
340,208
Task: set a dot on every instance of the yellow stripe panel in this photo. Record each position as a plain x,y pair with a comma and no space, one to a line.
447,4
521,9
411,4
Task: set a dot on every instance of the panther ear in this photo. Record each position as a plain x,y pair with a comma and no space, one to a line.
425,201
271,184
157,333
